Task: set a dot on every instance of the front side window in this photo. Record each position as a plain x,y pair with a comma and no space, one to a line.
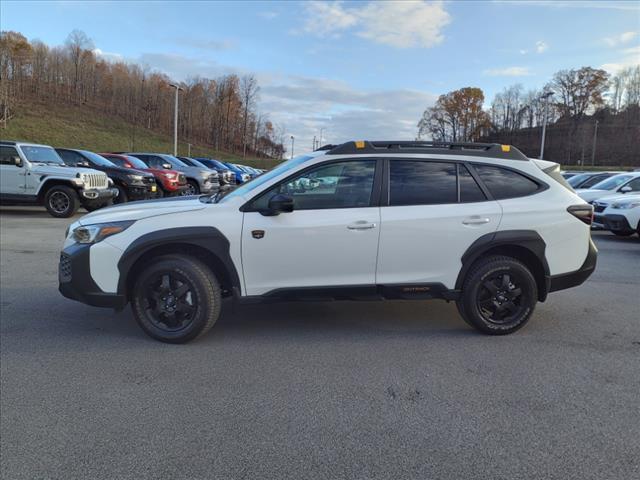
503,183
414,182
634,184
70,158
612,183
8,155
593,180
347,184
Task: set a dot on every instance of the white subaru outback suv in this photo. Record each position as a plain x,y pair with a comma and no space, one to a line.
480,224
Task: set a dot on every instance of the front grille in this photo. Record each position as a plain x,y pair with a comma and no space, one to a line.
149,180
64,268
95,180
598,208
213,179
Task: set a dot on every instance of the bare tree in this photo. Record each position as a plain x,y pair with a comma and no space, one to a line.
249,90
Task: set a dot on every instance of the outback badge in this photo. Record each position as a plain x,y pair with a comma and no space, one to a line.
257,234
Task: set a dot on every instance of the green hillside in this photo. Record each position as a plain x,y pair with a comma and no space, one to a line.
86,128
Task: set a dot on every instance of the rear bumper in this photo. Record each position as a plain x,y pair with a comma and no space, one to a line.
75,282
577,277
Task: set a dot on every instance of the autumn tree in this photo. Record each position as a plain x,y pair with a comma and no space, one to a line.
456,116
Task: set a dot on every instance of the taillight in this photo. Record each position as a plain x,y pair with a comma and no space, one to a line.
584,213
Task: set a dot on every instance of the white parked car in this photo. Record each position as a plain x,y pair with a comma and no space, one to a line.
622,183
618,214
480,224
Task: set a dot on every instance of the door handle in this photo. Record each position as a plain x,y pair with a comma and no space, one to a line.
361,225
476,220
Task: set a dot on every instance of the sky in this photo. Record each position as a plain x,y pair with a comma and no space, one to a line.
355,70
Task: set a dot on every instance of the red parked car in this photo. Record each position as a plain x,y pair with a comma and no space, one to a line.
171,182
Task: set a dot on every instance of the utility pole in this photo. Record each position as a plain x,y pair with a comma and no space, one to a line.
320,142
314,144
175,120
188,149
593,147
292,140
545,97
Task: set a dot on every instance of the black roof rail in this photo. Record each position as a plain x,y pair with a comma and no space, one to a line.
494,150
326,147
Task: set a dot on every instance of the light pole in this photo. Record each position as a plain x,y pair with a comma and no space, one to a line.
320,142
545,97
593,147
175,120
292,140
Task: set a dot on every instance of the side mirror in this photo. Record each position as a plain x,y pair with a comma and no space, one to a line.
280,203
17,161
626,189
166,166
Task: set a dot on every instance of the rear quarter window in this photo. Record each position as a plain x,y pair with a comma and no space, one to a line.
504,183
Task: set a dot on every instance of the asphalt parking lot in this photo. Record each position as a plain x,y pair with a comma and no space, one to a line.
316,390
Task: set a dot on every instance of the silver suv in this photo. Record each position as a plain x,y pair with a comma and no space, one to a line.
32,174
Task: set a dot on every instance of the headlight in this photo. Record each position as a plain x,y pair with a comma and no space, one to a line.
204,174
99,231
626,205
170,176
136,178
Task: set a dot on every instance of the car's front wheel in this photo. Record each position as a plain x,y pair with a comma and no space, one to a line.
61,201
176,299
498,295
192,188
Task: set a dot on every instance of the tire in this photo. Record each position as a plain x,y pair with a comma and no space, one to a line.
165,310
499,295
61,201
122,195
192,188
623,233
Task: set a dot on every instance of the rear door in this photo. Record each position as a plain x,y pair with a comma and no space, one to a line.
434,211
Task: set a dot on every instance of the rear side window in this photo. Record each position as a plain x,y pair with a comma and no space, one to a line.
469,189
7,154
422,183
503,183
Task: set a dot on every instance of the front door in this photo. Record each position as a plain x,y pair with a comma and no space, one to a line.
330,238
12,177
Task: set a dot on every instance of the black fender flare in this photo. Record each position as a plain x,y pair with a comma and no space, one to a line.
529,240
208,238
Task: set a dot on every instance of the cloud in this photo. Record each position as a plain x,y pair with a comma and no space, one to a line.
592,4
204,43
421,21
621,39
112,57
508,72
541,46
268,15
305,105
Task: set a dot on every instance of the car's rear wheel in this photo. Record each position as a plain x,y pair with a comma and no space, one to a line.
176,299
498,296
61,201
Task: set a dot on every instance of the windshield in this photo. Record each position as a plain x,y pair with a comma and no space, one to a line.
265,177
216,164
612,182
97,159
136,162
41,155
196,163
577,179
174,161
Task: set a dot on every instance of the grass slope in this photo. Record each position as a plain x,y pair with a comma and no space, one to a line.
83,127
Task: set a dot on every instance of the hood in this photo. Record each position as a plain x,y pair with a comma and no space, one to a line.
608,200
61,171
142,209
589,194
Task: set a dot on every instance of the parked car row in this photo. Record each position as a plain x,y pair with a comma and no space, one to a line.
64,179
619,214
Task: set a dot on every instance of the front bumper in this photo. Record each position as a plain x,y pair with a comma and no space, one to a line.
142,192
209,187
75,282
617,223
578,277
99,193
